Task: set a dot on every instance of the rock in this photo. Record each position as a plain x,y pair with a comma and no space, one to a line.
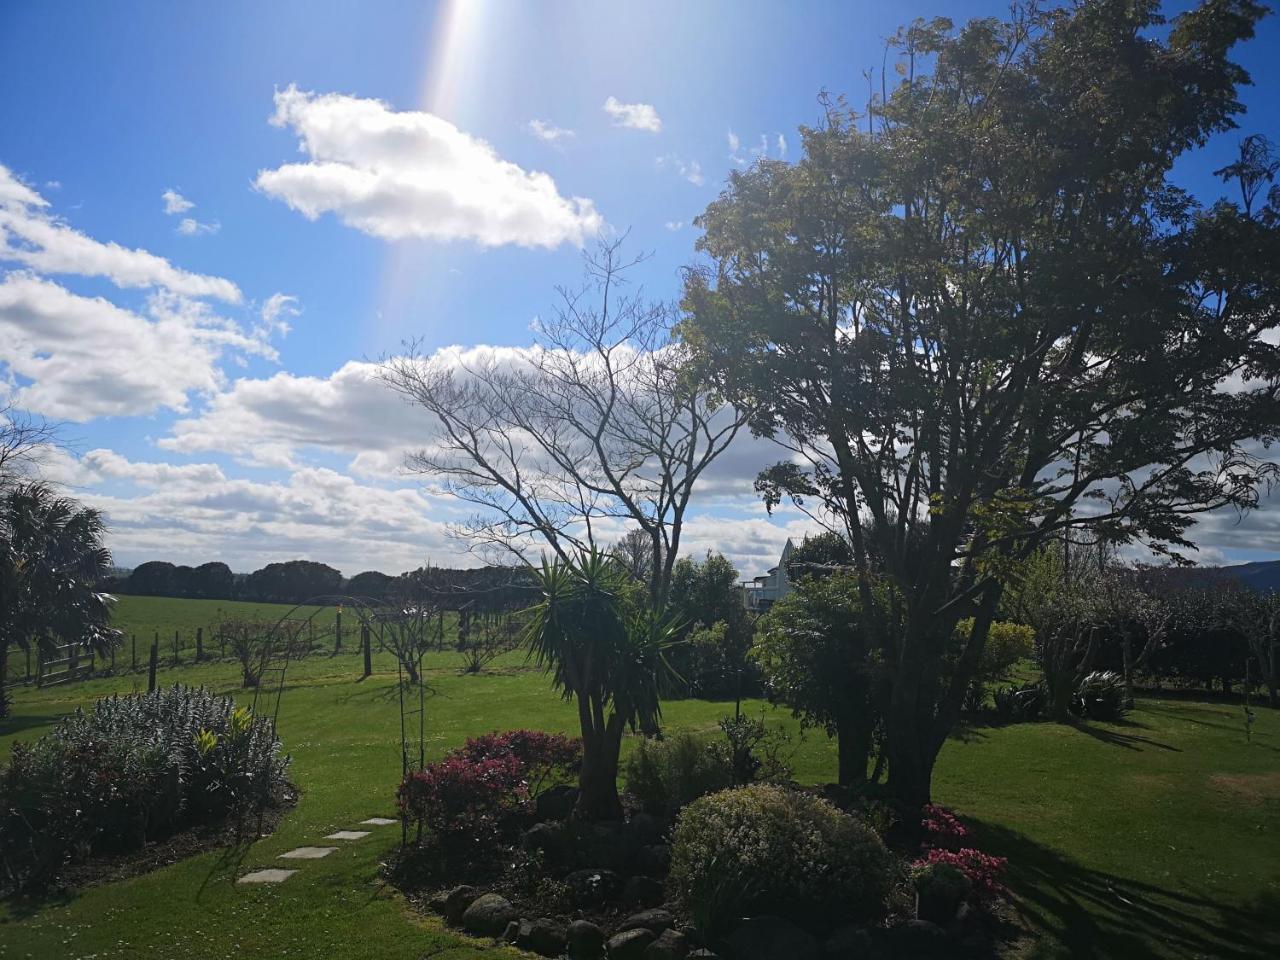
917,938
603,845
642,892
654,860
593,887
586,940
556,803
702,953
456,902
546,937
630,944
655,921
552,840
488,915
850,941
436,904
670,945
772,938
512,933
644,829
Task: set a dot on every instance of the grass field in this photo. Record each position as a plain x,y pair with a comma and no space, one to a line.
1157,837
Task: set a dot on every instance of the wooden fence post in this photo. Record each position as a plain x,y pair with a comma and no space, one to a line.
151,666
337,632
368,652
175,648
135,651
199,644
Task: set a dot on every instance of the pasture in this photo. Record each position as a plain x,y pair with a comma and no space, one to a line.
1155,837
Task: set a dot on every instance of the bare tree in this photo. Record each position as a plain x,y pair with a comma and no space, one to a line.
600,421
23,441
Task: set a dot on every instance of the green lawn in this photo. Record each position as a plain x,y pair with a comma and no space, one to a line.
1157,837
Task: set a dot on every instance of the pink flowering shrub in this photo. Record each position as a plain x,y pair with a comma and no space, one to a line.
470,797
983,870
943,828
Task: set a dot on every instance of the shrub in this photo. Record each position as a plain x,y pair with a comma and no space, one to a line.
1020,704
940,889
755,751
467,804
983,871
764,848
1006,644
665,775
943,828
130,770
471,797
1100,696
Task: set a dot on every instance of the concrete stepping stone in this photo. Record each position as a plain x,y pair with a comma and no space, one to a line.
267,876
379,821
348,835
307,853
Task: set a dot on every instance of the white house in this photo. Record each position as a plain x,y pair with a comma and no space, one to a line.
760,593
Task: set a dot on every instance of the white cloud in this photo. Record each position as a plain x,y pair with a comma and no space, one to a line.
689,170
548,131
276,311
191,227
782,146
401,174
192,513
175,203
734,142
85,357
759,152
674,225
636,116
31,236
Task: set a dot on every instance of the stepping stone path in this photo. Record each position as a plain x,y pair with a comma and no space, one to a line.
308,853
274,875
267,876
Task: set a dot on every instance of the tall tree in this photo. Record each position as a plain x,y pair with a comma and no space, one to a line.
982,315
598,421
51,559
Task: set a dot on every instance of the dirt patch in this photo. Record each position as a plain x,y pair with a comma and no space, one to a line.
1253,788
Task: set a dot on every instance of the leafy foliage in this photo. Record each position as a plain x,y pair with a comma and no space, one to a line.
130,770
666,775
765,848
1101,696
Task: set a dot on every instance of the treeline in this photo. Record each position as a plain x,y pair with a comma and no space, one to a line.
297,581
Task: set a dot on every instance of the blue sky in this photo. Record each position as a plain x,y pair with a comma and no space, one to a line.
205,429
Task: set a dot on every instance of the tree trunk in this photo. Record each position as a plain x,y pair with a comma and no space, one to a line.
4,677
853,747
598,781
910,754
1127,652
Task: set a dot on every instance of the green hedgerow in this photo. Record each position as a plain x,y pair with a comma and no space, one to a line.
763,848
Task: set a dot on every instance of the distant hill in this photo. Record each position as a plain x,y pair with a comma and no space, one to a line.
1261,575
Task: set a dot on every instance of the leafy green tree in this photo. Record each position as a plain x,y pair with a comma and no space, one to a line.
816,649
826,549
604,648
293,582
51,559
706,595
984,305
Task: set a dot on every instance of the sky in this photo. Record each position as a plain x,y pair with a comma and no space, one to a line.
214,219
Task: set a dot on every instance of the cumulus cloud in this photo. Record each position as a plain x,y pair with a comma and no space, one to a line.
548,131
276,312
29,235
175,203
674,225
401,174
191,513
191,227
636,116
85,357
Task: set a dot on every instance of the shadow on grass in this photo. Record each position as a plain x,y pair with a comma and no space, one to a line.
1117,738
26,721
1094,914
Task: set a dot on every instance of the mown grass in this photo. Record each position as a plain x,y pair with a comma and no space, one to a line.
1156,837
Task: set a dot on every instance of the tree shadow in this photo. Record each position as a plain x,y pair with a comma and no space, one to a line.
1097,914
1130,741
26,721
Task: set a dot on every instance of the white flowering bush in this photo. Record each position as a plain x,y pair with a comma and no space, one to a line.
763,848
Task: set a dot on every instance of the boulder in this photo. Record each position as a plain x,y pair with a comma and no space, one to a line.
654,860
456,902
851,942
556,803
488,915
630,944
586,940
512,933
670,945
546,937
591,888
917,938
436,904
644,829
552,840
772,938
702,953
642,892
655,921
